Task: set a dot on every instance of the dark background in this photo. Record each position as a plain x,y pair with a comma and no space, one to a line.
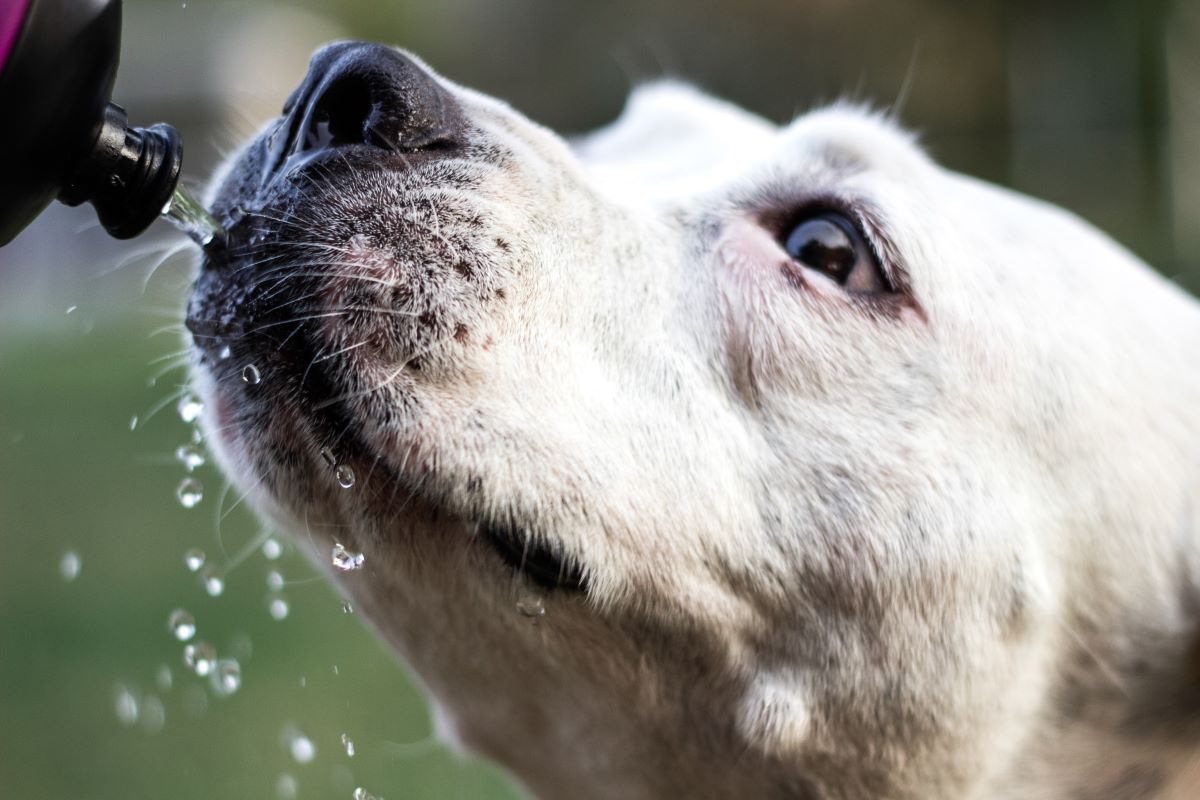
1093,105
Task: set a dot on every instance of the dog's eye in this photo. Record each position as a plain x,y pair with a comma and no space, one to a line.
831,244
535,559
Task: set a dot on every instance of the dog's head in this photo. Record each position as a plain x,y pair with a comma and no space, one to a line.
701,457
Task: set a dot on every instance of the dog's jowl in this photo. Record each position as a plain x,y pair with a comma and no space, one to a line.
706,458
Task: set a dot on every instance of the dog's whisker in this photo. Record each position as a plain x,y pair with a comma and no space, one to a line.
417,749
184,245
172,397
167,369
219,517
137,254
252,546
176,355
342,351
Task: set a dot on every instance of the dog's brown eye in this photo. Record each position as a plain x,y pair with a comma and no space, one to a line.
831,244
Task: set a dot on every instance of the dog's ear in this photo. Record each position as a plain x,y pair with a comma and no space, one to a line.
668,117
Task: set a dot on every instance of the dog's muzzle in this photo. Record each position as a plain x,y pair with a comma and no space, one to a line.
363,109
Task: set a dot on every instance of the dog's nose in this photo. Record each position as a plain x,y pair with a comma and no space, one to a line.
358,93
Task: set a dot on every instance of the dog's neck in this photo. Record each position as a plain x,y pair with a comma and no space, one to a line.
1123,708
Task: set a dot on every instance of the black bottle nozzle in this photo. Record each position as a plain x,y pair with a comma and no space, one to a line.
61,135
129,176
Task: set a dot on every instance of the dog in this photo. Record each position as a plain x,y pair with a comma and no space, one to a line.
701,457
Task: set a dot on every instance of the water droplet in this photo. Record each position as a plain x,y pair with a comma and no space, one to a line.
133,421
181,624
153,714
200,657
274,580
272,549
214,582
328,457
345,476
347,608
348,744
531,606
71,309
301,747
194,559
226,677
346,561
188,215
285,787
190,492
225,353
69,565
125,705
278,606
362,794
191,455
251,375
189,408
164,679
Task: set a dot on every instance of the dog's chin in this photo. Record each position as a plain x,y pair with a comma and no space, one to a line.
288,412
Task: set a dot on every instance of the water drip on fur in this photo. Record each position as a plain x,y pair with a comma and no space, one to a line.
531,606
346,561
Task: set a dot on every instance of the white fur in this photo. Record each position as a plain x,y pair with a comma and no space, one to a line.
832,553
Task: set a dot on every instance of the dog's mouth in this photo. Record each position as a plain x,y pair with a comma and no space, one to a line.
255,317
294,394
354,252
369,269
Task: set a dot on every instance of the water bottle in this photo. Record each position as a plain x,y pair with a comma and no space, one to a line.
63,137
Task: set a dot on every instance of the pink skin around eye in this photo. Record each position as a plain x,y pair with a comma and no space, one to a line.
757,263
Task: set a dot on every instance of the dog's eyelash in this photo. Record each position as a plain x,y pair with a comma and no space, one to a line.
537,560
781,208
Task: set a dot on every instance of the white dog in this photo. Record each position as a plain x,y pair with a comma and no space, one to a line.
704,458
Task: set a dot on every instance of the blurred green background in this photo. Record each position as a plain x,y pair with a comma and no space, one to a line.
1094,105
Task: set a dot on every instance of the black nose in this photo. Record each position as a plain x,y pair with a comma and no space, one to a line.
358,93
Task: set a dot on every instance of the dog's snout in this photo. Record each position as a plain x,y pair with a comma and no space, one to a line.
358,93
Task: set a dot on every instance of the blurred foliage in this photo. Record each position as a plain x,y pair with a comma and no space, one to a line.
77,479
1093,104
